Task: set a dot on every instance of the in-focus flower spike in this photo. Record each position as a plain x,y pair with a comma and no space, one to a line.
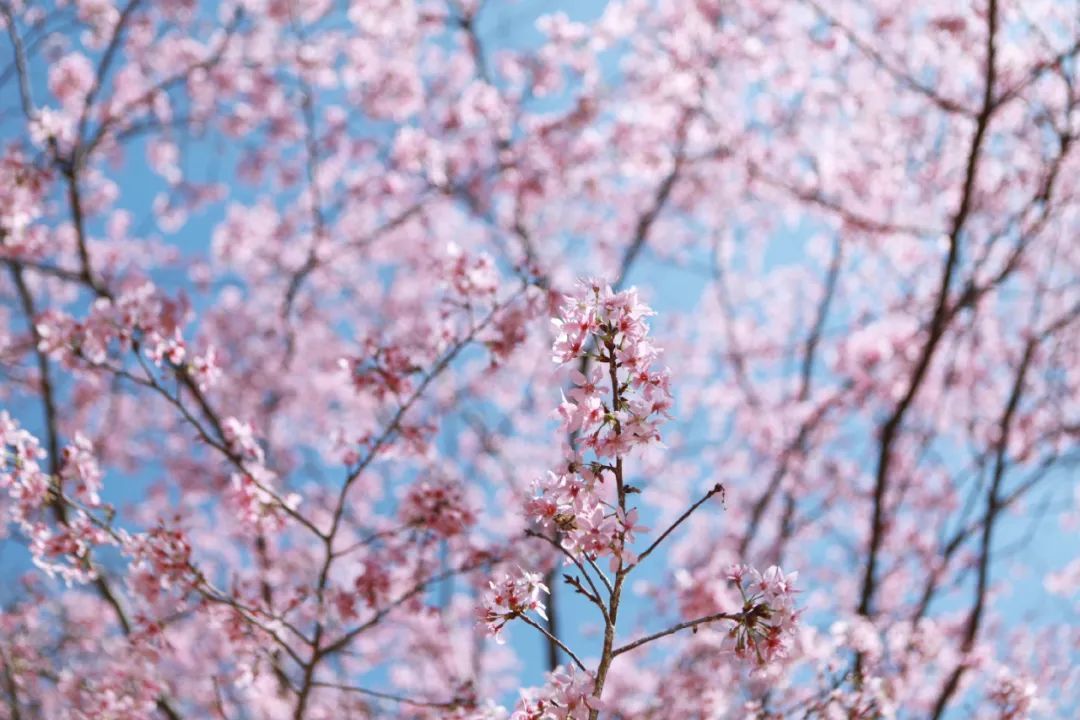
512,596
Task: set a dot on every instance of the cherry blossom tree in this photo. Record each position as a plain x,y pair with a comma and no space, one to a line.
500,359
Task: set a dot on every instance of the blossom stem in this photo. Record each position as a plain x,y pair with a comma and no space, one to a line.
385,696
674,629
595,596
718,488
562,646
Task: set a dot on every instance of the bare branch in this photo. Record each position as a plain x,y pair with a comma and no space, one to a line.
674,629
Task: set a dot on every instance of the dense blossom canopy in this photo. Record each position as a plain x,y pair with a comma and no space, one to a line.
489,359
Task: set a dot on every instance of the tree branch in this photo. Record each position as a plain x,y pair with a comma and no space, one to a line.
674,629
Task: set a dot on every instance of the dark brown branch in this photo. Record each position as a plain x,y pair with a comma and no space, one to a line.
799,445
900,75
385,437
890,431
638,241
11,688
451,705
993,509
674,629
594,596
343,641
717,489
852,218
111,49
552,638
52,442
21,71
89,145
648,218
318,218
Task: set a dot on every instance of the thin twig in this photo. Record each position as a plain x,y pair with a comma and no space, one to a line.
674,629
386,696
716,489
562,646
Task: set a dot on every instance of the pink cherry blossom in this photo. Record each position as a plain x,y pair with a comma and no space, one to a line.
71,78
512,595
438,505
568,695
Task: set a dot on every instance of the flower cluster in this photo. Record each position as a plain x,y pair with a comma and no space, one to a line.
140,314
867,352
381,370
70,79
255,504
569,503
165,349
21,476
767,622
619,403
80,471
241,439
127,687
373,581
438,505
568,695
616,405
171,351
469,277
22,186
251,492
63,550
60,543
509,330
1014,697
160,562
512,596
